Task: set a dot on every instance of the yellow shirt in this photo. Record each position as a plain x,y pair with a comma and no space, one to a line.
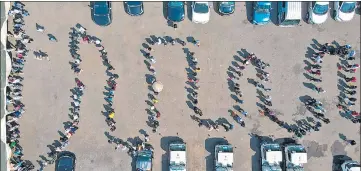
111,115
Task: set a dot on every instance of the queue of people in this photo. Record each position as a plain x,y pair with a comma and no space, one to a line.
347,97
14,107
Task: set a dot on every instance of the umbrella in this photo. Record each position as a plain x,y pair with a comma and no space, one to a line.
157,86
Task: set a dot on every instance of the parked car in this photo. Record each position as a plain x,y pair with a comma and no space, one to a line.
350,165
226,7
261,12
144,158
343,10
65,162
175,11
134,8
101,12
223,157
271,156
178,156
200,12
289,13
295,156
317,12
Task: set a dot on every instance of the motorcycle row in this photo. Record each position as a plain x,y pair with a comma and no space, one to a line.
15,108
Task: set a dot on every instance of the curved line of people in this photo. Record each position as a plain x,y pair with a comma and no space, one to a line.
153,112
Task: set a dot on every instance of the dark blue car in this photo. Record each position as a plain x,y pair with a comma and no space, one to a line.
226,7
175,10
261,12
101,12
66,161
134,8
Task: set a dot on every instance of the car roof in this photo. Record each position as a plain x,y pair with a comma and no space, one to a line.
293,10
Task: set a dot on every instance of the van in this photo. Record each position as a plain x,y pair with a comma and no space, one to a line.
289,13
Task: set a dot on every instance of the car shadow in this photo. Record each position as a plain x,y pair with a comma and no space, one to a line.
210,143
215,7
338,160
304,10
249,10
274,13
189,10
165,10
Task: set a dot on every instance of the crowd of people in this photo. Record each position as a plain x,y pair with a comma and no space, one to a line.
154,113
14,107
347,85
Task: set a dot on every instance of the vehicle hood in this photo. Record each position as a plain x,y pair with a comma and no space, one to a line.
200,18
319,19
226,9
176,14
137,10
102,20
345,16
260,17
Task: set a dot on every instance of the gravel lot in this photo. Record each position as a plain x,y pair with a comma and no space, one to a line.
47,85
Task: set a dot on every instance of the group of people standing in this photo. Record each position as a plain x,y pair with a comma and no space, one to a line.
14,107
347,97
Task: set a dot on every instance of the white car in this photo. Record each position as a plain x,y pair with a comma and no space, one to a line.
344,11
200,12
317,12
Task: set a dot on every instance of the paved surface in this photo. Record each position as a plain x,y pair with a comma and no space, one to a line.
47,85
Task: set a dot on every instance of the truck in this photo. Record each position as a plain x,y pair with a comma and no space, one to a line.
223,157
178,156
296,156
350,165
144,158
271,156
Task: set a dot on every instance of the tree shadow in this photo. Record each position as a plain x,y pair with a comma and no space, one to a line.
249,10
164,143
210,144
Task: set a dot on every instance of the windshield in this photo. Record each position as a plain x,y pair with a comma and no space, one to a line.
200,8
101,10
290,22
320,9
65,164
348,7
263,8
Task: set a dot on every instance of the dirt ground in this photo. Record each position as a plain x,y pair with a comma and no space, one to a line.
47,85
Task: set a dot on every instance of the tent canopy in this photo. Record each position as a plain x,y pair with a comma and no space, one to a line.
274,156
178,157
225,159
